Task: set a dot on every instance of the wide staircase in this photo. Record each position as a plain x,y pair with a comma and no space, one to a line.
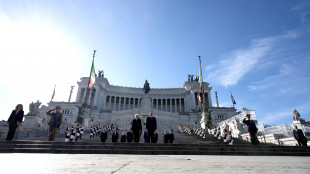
184,144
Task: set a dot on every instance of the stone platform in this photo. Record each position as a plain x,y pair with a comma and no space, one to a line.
155,164
184,145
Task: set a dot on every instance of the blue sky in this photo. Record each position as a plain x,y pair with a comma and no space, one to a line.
258,50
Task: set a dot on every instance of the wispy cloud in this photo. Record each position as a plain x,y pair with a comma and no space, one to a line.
290,79
285,114
234,65
303,9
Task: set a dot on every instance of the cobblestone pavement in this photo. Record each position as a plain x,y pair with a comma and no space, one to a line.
86,163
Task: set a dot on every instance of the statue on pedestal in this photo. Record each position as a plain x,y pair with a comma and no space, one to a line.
146,87
37,105
101,74
296,115
31,109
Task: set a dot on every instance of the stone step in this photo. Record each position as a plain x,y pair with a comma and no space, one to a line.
148,149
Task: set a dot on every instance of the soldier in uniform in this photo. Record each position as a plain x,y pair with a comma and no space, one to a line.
54,123
252,129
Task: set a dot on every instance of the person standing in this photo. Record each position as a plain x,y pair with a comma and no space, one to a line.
115,136
54,123
136,128
146,137
104,135
299,137
15,120
151,126
129,136
171,136
252,129
123,137
166,137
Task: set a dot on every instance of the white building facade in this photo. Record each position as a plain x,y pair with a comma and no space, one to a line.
110,104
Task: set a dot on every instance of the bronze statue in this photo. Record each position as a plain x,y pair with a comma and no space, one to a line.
146,87
101,74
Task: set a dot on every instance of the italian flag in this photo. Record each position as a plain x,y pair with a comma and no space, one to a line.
92,76
232,99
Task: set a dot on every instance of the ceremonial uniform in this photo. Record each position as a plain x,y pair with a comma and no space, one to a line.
73,132
54,123
252,129
67,134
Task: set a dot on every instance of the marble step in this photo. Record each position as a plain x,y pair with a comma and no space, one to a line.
148,149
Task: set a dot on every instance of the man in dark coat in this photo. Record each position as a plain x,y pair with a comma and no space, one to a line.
299,137
136,128
15,120
151,126
115,136
104,135
252,129
54,123
171,136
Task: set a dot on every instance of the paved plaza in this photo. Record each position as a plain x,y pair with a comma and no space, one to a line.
79,163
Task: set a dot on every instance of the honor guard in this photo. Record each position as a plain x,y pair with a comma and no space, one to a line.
54,123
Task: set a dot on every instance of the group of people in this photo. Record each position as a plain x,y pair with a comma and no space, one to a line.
134,133
150,135
185,129
200,132
95,130
74,133
168,137
224,135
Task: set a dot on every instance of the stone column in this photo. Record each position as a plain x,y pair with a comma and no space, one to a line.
180,104
124,107
96,98
109,106
139,103
157,104
104,103
161,105
119,103
170,104
114,103
175,105
166,104
130,99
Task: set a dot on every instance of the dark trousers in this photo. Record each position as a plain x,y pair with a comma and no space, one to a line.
51,132
151,135
299,142
136,136
254,139
11,133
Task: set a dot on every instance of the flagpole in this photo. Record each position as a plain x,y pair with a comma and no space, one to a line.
53,93
202,92
88,89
